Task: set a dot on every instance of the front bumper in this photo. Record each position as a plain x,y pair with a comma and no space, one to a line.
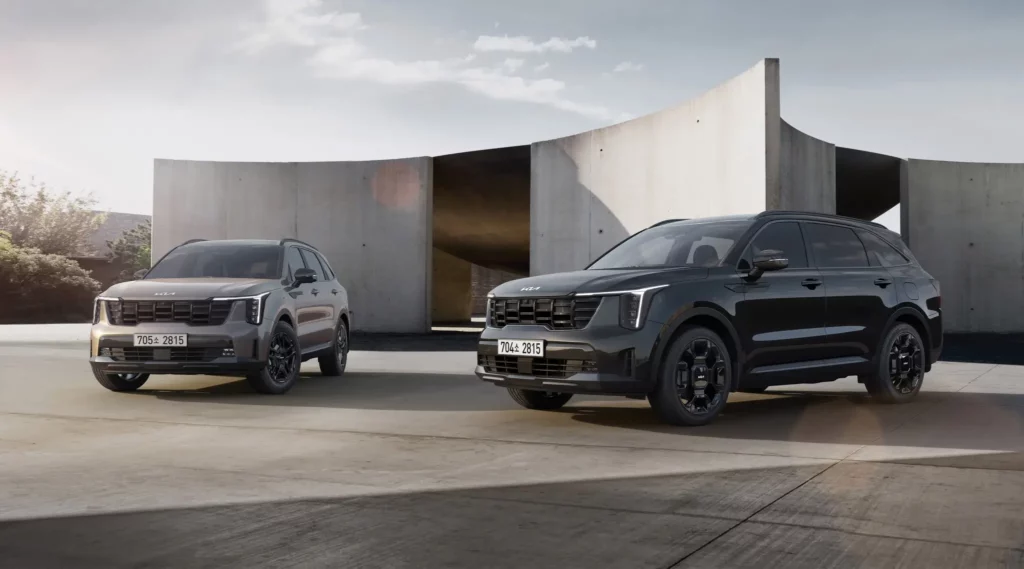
233,348
601,360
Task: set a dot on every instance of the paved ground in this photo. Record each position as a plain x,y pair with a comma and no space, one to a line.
409,461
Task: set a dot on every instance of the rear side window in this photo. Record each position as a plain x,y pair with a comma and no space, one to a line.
328,273
881,253
293,261
782,236
834,246
313,263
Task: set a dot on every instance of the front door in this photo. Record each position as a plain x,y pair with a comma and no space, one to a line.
304,300
781,319
860,294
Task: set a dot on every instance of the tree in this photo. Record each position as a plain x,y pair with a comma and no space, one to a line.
38,287
132,249
37,218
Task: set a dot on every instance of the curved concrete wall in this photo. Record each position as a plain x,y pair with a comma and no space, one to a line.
965,223
372,220
715,155
807,173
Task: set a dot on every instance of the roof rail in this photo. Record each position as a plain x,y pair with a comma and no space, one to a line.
665,221
192,241
772,212
293,240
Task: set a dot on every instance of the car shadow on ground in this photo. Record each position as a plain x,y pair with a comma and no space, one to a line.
977,421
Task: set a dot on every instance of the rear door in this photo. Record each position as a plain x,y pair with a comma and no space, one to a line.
781,319
859,294
321,317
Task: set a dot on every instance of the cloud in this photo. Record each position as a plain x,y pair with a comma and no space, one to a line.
628,66
297,23
542,66
523,44
335,53
512,63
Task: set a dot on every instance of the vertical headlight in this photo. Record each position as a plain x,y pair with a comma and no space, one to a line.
634,306
254,307
102,303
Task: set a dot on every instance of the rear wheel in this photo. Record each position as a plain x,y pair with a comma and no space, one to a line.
693,383
899,371
120,381
334,364
283,361
539,400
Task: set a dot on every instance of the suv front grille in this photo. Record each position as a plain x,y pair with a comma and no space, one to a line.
537,367
555,313
162,354
195,312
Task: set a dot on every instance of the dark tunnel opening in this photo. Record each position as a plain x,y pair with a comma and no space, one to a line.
481,228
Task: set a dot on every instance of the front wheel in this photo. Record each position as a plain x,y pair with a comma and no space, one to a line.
283,361
693,382
899,369
120,381
539,400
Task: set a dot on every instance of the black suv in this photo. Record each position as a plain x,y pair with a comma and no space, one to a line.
253,308
687,311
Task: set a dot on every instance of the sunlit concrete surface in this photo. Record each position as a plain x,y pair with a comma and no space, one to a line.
409,461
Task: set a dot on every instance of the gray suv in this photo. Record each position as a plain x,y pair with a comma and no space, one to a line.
252,308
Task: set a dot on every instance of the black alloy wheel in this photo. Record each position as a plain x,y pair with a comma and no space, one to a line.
121,381
281,360
694,381
335,362
900,366
281,371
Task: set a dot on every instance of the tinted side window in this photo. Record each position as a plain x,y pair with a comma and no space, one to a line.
834,246
328,273
782,236
313,263
881,253
293,261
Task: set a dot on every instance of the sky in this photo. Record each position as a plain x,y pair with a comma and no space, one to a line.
91,91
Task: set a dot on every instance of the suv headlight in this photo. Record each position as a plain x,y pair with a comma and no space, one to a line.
100,303
254,306
634,306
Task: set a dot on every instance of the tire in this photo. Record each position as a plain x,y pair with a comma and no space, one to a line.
696,347
284,359
539,400
899,366
120,382
333,365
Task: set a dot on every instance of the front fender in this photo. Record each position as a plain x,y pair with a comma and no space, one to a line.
689,314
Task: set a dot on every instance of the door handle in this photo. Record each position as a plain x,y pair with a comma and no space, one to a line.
315,292
334,291
811,283
883,282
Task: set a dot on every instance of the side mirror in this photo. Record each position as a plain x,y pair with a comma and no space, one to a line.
141,273
768,260
303,276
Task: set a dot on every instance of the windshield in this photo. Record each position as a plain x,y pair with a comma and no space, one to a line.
220,261
692,243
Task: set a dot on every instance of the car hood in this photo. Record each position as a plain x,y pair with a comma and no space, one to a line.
189,289
610,280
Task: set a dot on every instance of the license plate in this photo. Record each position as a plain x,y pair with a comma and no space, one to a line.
530,348
160,340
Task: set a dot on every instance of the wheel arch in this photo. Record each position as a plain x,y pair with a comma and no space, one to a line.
912,315
708,316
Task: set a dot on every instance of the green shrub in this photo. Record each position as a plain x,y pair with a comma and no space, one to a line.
39,288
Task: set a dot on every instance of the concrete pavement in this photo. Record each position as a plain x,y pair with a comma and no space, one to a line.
409,461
